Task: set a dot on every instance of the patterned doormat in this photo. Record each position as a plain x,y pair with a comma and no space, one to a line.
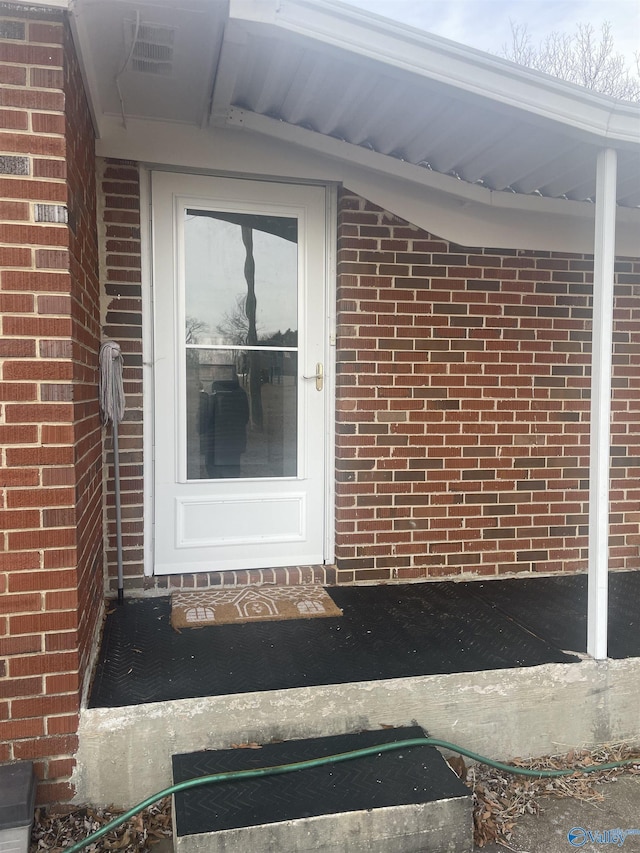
250,604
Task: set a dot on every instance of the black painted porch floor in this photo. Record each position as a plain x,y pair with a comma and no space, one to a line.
388,631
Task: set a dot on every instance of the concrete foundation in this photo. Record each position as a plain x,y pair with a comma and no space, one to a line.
125,753
438,827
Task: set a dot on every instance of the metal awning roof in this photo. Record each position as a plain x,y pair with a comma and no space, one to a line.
348,75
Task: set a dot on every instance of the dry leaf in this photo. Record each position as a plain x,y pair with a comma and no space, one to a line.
56,829
456,763
500,798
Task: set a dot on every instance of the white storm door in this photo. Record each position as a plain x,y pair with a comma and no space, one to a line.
239,351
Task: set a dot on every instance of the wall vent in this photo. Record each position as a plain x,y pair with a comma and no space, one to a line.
152,52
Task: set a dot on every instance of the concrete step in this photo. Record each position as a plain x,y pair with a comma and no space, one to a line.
403,801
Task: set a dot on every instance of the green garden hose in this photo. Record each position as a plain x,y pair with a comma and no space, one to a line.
333,759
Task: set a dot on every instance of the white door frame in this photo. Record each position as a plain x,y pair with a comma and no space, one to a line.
148,352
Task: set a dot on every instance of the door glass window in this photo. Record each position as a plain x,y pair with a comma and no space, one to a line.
241,345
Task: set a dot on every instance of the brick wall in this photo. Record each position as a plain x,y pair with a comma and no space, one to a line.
463,406
120,272
85,333
50,478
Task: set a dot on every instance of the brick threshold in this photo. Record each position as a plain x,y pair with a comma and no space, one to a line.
283,576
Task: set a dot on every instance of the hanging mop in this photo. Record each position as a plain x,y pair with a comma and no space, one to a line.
112,411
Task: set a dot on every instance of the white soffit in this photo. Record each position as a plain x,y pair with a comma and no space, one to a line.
151,59
345,75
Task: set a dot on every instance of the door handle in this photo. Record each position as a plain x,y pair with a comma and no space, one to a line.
318,376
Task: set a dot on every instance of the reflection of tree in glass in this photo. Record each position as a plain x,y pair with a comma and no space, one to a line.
282,339
240,328
193,329
234,327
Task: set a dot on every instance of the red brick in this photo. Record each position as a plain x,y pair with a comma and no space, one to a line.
36,413
37,326
33,100
44,746
19,188
40,497
63,641
66,517
67,683
23,457
54,538
46,33
61,600
60,558
48,123
63,434
19,519
56,349
28,54
41,235
119,170
60,768
11,688
16,303
43,622
14,210
54,305
20,667
14,119
38,281
57,792
15,729
52,259
44,580
14,392
17,348
39,769
38,370
13,75
27,144
62,725
49,168
20,646
14,256
18,434
47,78
17,561
122,217
20,603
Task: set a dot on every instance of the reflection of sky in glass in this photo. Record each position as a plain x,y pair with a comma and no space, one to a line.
215,286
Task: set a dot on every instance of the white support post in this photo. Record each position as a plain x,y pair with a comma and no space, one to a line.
601,362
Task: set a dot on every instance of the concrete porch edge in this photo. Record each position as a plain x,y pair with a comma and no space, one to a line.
125,753
438,827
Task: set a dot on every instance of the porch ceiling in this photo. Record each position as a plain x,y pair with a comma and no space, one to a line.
348,75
